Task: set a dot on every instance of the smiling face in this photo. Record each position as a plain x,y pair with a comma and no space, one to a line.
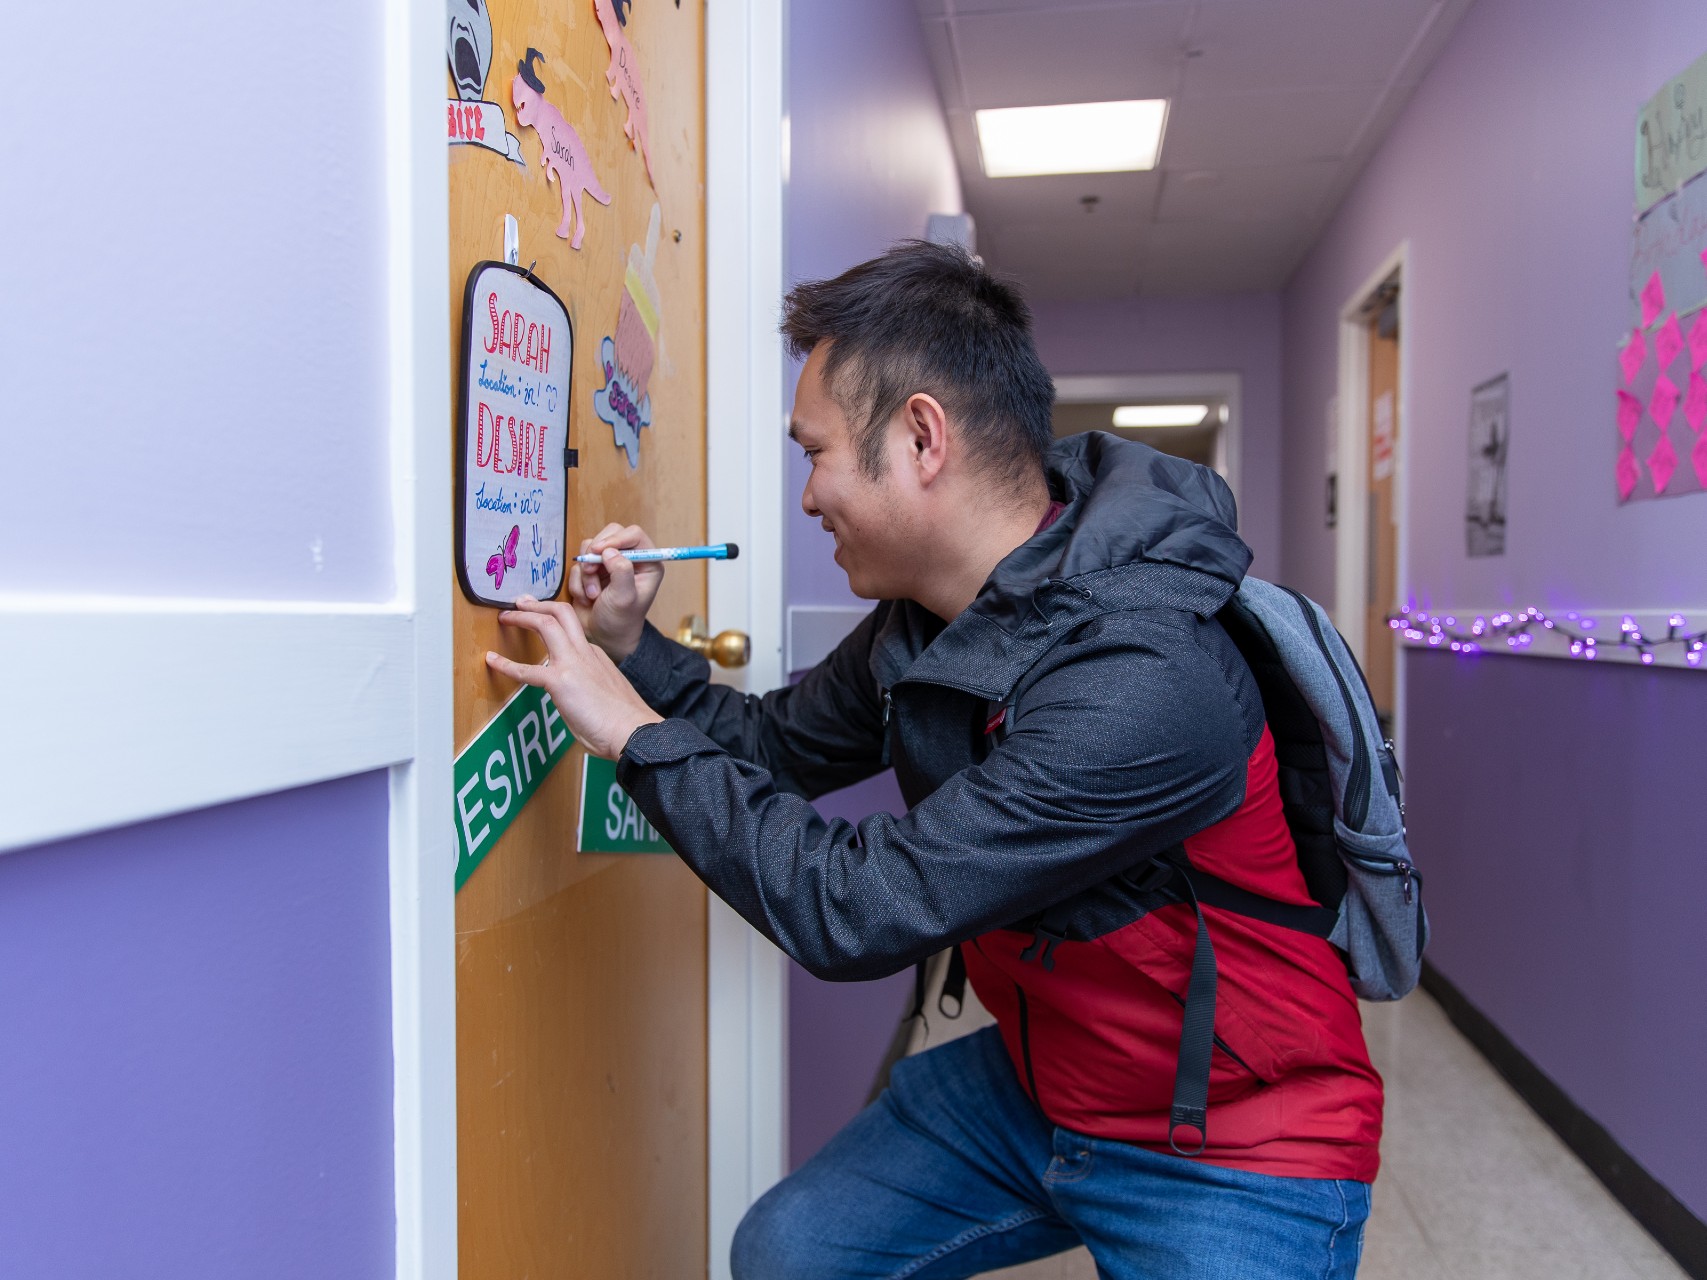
875,520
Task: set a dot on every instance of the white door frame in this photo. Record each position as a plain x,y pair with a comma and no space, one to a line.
323,689
1227,386
747,977
1351,525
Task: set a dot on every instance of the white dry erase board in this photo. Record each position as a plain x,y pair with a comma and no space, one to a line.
513,450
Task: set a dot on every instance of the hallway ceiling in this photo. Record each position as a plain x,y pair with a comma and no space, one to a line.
1276,107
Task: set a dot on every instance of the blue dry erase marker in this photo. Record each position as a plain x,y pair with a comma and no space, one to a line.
722,551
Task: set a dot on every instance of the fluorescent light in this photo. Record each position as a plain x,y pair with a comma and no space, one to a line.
1160,415
1082,137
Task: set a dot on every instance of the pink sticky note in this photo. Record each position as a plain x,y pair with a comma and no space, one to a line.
1628,473
1654,297
1698,455
1635,352
1662,462
1695,403
1663,403
1629,415
1668,342
1698,340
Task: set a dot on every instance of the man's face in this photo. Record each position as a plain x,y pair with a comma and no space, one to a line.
872,519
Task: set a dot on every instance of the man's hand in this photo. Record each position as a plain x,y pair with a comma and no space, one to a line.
611,599
596,701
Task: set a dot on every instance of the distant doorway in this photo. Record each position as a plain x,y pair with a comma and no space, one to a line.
1091,403
1370,532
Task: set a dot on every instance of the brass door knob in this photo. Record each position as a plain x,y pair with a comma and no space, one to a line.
726,648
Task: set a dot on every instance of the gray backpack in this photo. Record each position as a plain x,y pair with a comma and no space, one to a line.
1339,783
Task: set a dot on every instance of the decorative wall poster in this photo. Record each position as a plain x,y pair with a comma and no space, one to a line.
610,820
474,121
620,404
513,455
501,770
1671,136
639,316
1381,447
623,77
562,152
1490,434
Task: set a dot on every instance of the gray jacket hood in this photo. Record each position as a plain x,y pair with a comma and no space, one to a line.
1140,529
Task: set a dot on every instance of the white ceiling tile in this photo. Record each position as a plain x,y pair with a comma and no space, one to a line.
1074,55
1099,262
1264,128
1221,257
1275,191
1243,45
1129,197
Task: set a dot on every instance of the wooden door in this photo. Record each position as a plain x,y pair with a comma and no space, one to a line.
581,978
1380,647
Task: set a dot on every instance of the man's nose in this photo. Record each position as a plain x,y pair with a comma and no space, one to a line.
807,504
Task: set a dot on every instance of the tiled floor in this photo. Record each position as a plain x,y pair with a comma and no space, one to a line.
1472,1185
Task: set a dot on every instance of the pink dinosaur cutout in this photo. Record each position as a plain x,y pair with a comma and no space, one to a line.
623,77
564,155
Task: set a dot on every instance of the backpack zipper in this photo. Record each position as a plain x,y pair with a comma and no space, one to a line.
1357,789
1387,867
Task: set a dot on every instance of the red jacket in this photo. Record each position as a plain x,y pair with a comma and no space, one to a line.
1094,1039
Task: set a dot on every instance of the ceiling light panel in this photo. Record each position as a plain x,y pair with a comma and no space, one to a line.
1160,415
1081,137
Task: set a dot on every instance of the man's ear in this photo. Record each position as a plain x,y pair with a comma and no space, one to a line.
927,436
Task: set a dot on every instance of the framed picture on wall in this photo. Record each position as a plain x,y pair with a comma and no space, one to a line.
1490,436
513,455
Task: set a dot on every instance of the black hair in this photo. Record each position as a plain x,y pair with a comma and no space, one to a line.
929,318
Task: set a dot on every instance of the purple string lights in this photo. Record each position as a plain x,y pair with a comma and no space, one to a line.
1518,631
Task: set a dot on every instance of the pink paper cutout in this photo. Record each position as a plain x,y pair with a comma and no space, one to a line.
1698,340
1663,403
1635,352
1662,462
1654,298
1629,415
623,77
1668,342
1695,403
1628,473
1698,455
563,154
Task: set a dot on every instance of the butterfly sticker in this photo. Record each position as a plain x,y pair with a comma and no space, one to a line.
503,558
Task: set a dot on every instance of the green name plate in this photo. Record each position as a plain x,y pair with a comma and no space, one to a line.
501,770
610,821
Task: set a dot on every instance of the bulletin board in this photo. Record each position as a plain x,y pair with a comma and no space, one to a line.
581,983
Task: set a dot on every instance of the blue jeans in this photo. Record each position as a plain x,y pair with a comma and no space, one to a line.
953,1172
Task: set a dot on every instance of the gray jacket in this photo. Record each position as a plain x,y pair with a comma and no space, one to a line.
1129,720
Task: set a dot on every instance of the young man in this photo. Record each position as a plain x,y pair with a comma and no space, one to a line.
1046,676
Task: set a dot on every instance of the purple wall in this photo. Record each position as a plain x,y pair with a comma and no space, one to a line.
1238,333
195,1070
1549,803
869,158
194,339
